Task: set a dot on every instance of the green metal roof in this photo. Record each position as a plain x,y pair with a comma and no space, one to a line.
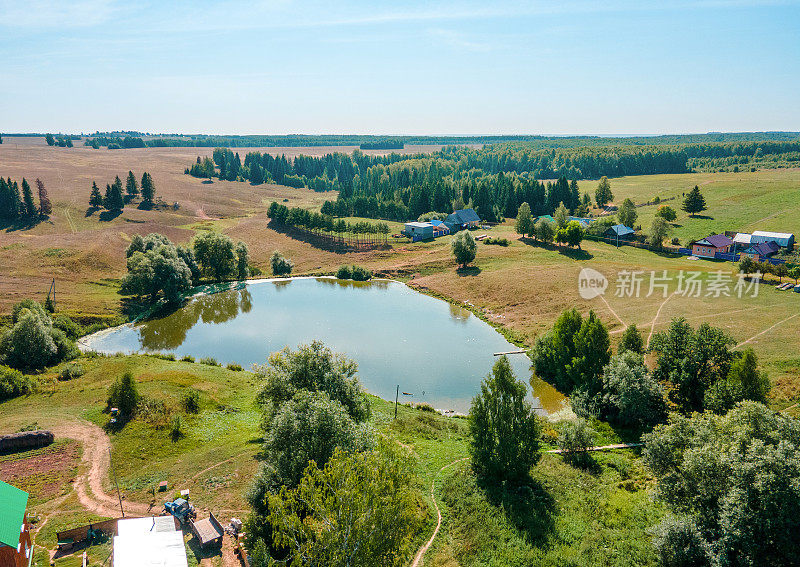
13,502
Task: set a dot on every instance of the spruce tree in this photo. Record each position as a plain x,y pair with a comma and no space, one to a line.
95,197
694,202
113,200
45,206
603,194
8,204
29,207
131,186
148,190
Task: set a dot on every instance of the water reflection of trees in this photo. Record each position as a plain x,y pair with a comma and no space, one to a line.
458,313
168,333
372,284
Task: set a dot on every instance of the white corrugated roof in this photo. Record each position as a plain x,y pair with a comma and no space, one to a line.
419,224
138,526
742,238
149,542
772,234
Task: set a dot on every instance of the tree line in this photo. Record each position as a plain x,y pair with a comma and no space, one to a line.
16,205
114,199
59,140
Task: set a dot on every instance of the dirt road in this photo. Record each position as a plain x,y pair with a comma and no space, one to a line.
95,467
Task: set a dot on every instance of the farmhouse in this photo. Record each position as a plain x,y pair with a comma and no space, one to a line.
711,245
15,531
761,250
742,241
464,218
146,542
439,228
619,232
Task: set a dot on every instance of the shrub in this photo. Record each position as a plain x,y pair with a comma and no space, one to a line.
360,274
124,395
187,358
14,383
71,371
344,273
574,440
209,360
191,401
163,355
498,241
426,407
72,329
280,266
176,430
234,366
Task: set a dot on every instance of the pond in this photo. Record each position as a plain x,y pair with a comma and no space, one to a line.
436,352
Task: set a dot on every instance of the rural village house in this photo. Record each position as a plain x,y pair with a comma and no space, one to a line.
711,245
15,531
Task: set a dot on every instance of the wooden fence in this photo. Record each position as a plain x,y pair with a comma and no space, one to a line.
341,242
80,533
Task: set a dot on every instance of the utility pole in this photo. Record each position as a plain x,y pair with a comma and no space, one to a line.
396,396
114,472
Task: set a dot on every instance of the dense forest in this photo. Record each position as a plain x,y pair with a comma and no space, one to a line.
532,142
494,179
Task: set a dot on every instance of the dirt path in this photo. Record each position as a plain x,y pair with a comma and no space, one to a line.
768,329
614,313
96,459
653,323
418,557
601,447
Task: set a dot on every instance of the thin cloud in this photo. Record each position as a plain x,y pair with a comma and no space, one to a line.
37,14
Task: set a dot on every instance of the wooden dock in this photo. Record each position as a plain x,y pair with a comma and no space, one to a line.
520,351
602,447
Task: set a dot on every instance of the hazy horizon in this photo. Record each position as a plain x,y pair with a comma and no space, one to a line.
551,68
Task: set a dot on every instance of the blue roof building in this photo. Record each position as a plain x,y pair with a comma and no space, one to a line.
619,231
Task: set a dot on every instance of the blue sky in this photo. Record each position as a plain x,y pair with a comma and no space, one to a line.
550,67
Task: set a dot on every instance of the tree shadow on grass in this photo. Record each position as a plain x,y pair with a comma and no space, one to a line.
527,505
90,211
468,271
20,224
106,216
574,253
703,217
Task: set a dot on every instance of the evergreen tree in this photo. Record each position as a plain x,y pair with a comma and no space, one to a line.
694,202
50,139
631,340
95,198
9,200
131,187
113,200
29,207
45,206
148,190
574,196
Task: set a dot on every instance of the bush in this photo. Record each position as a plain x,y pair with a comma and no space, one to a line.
187,358
163,356
280,266
360,274
234,366
426,407
191,401
209,360
14,383
124,395
176,430
344,273
498,241
464,248
71,371
574,440
72,329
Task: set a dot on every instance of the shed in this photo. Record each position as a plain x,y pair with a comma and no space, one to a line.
439,228
15,531
782,239
419,230
742,241
619,232
461,219
709,246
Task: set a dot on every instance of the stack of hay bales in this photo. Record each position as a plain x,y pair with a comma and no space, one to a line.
25,440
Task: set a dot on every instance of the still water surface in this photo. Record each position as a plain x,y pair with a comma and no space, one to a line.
436,351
